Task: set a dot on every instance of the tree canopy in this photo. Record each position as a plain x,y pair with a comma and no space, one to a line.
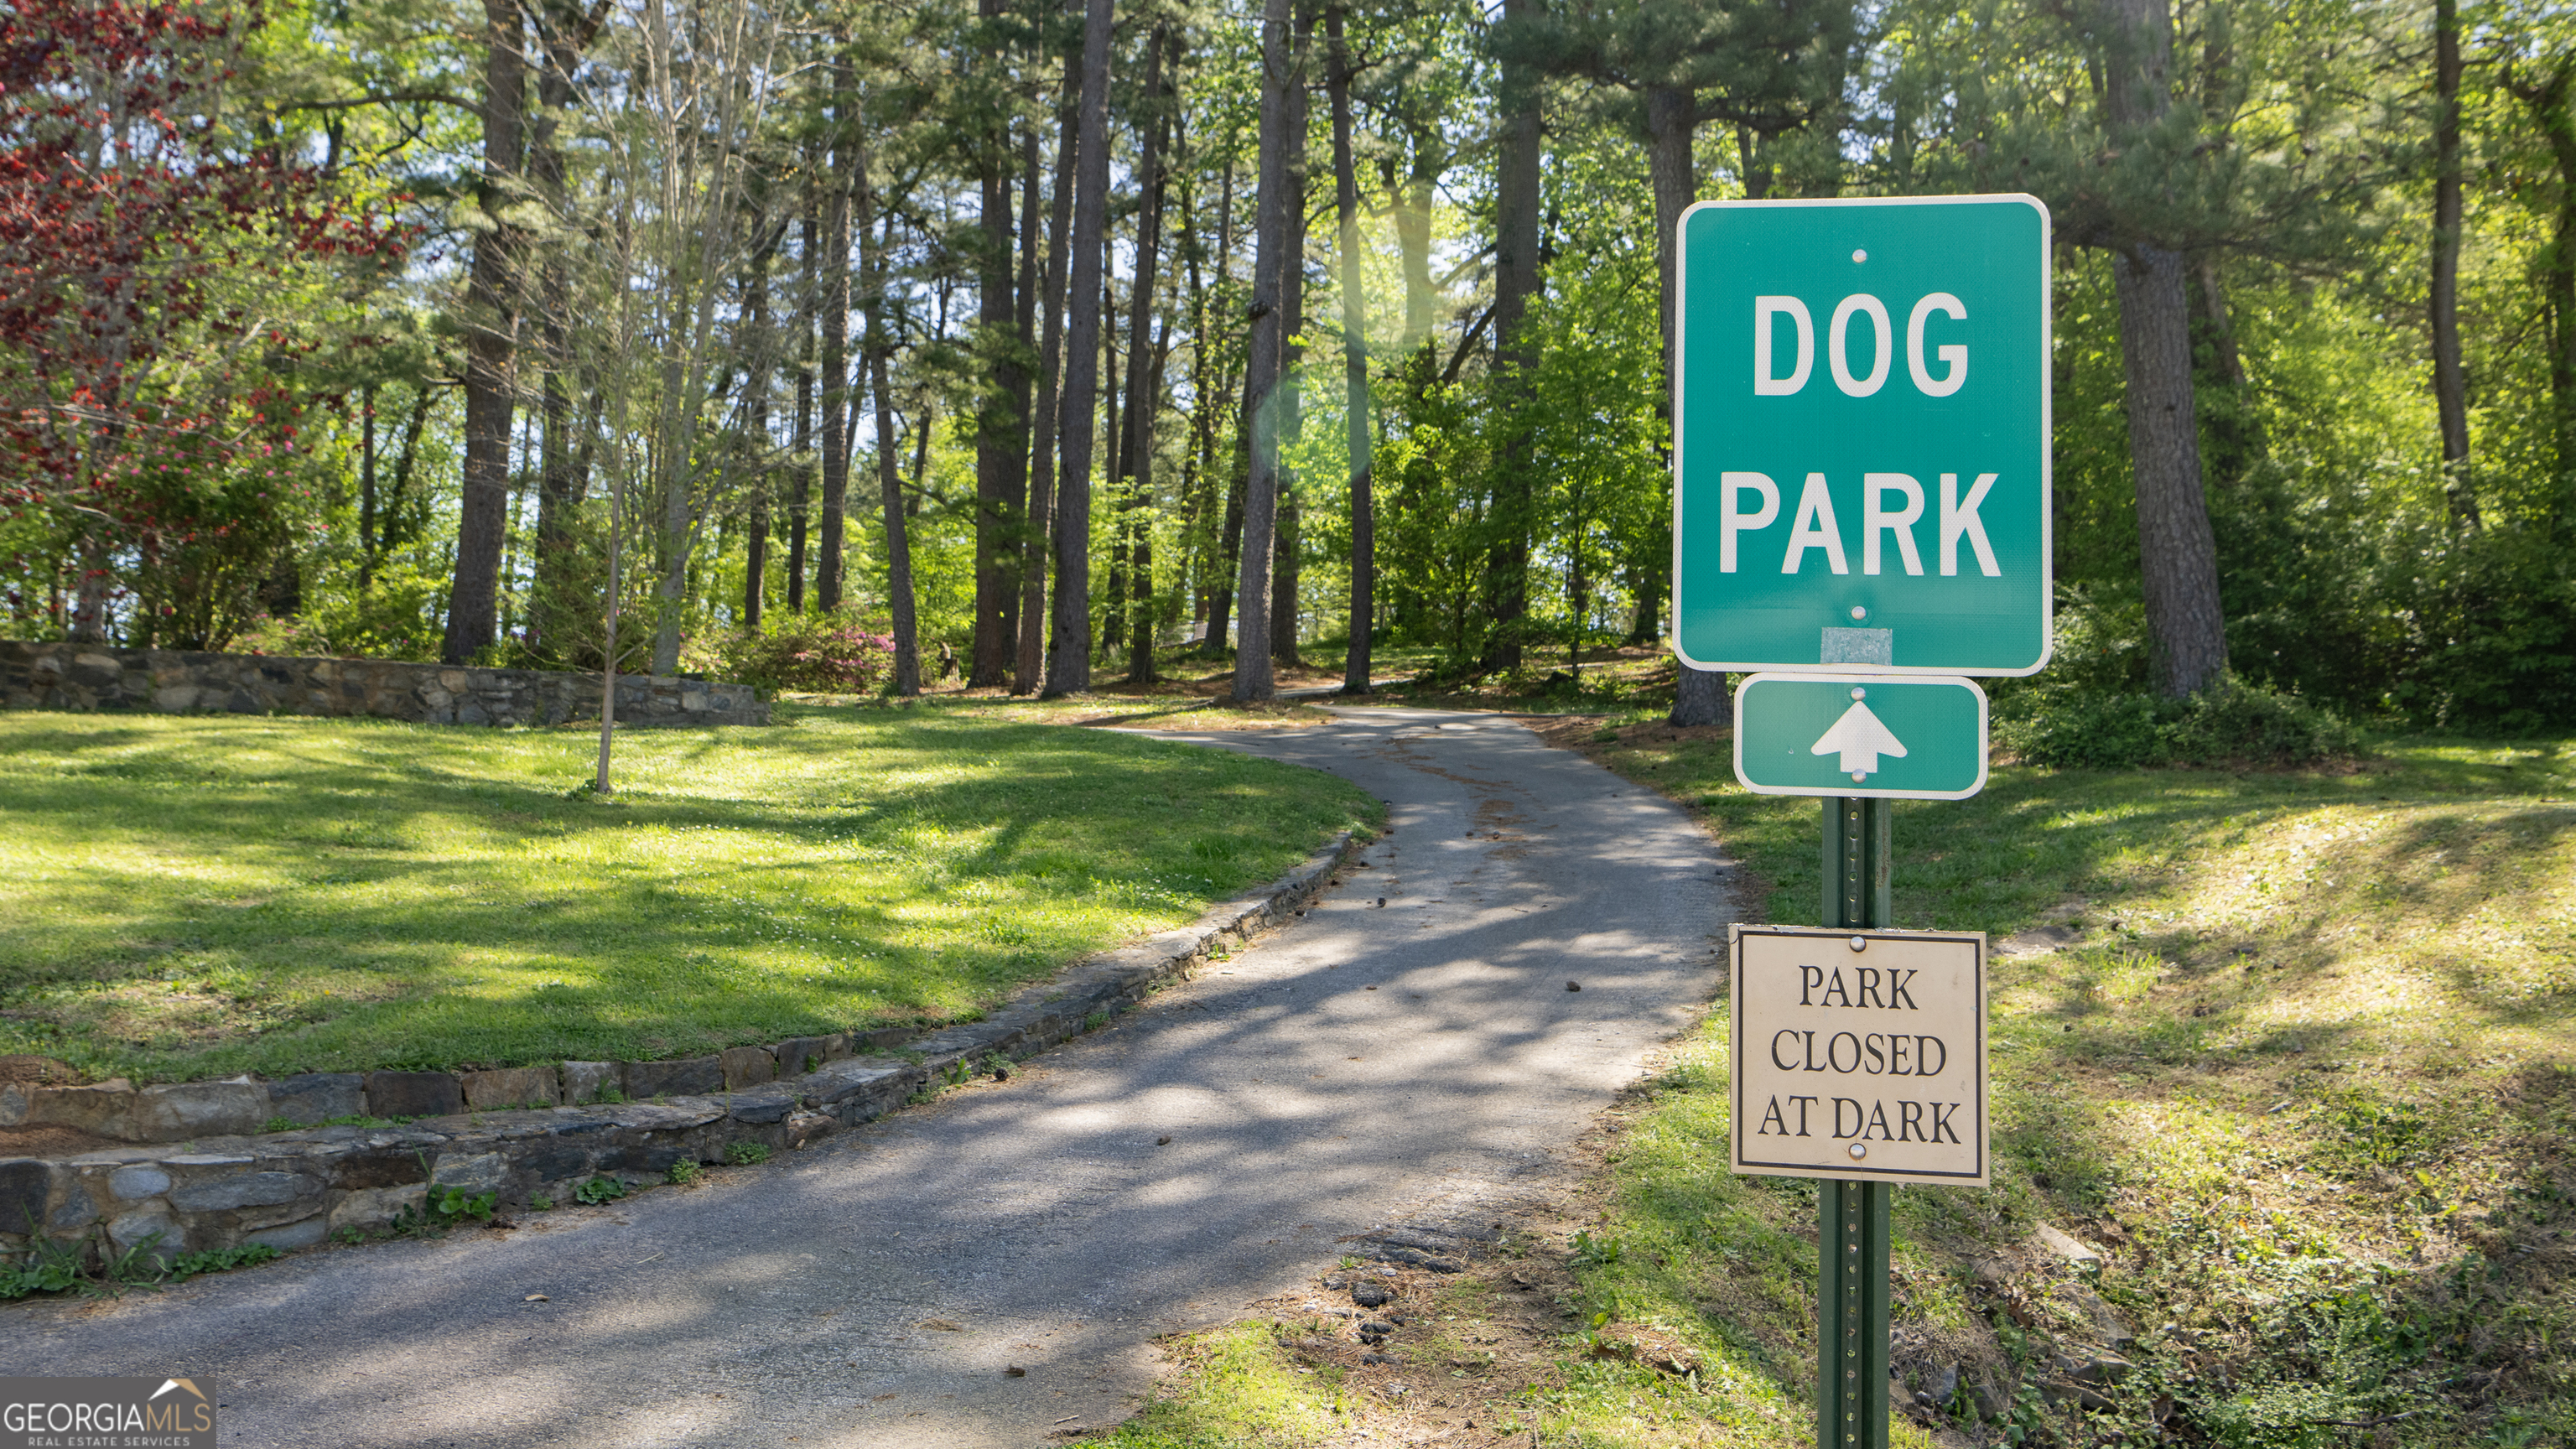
1053,338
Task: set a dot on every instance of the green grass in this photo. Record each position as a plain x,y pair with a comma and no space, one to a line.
1234,1389
191,897
2306,1066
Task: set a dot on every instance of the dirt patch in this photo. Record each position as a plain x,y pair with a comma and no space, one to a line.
51,1142
37,1071
1464,1357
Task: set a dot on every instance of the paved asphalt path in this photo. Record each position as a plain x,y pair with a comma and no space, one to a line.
1369,1066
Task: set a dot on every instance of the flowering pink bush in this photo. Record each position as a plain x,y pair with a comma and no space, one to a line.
827,654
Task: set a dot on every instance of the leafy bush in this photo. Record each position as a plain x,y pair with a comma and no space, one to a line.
2231,721
831,653
398,617
46,1267
219,1260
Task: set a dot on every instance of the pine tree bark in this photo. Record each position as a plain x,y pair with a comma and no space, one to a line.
1030,675
1069,670
1287,568
1001,438
491,305
1355,363
1699,695
1516,242
878,345
2450,378
1024,337
755,568
846,174
1253,679
801,495
1222,580
1142,393
2178,555
565,34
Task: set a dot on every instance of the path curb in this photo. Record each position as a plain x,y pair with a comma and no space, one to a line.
294,1189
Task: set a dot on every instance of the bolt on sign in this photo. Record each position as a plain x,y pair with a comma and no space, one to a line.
1861,436
1860,1054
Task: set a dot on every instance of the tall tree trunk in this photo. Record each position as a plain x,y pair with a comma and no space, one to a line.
366,486
491,305
1142,392
565,34
2450,380
1253,680
878,343
801,495
1287,567
2178,555
1116,469
1198,470
1699,695
1221,585
1516,243
1024,558
1032,664
847,174
1069,672
1001,439
756,432
1355,380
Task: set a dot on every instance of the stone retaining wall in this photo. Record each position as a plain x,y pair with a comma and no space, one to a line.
175,681
224,1183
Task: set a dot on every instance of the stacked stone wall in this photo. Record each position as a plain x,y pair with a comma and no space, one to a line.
178,681
216,1180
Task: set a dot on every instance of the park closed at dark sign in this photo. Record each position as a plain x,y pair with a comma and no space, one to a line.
1860,1054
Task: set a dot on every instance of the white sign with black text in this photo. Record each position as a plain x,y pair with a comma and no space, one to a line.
1860,1054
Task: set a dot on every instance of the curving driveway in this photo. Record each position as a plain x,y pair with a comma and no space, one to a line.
1407,1066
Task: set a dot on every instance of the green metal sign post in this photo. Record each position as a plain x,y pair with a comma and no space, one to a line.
1861,519
1852,1217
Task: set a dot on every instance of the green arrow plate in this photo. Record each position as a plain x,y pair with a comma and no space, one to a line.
1893,737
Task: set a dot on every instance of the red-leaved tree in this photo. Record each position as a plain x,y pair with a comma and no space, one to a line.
147,401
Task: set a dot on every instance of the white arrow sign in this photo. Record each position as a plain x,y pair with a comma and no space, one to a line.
1861,739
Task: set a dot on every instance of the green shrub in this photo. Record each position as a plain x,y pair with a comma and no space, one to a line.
2079,729
829,653
745,1154
46,1267
2229,722
2233,720
219,1260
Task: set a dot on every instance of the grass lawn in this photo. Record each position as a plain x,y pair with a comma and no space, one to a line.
192,897
2300,1055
